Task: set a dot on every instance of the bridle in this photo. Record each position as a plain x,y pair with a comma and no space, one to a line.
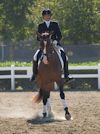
46,42
46,45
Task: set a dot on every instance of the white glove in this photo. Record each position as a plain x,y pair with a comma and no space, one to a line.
55,42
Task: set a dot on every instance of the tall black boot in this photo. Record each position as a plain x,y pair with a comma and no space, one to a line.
65,61
35,66
66,72
35,70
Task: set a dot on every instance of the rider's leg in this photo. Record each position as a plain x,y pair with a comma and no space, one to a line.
34,69
65,61
35,64
63,55
66,72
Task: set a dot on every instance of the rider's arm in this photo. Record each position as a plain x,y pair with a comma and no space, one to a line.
39,31
58,33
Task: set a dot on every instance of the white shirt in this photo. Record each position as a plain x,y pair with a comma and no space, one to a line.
47,23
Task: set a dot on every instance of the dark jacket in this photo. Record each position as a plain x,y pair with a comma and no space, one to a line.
54,27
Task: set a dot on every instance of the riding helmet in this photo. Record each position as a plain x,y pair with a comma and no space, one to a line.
46,12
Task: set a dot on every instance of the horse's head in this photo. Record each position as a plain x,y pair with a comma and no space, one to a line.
46,42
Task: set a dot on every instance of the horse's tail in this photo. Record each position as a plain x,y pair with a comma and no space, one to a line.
37,98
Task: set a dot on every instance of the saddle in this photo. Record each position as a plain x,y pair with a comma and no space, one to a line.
58,51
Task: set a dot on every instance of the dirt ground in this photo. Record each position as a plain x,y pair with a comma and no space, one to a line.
18,115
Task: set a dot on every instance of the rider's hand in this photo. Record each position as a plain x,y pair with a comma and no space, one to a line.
55,42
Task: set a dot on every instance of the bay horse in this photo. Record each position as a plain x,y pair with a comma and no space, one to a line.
49,71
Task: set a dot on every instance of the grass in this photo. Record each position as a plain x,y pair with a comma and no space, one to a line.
15,63
90,63
18,64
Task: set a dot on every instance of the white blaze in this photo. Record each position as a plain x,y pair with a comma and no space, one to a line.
44,51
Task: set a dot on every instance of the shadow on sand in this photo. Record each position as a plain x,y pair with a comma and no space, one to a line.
40,120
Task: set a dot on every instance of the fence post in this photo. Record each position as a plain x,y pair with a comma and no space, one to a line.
12,78
99,76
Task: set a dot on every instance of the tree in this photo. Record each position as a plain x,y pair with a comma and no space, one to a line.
14,24
97,18
79,21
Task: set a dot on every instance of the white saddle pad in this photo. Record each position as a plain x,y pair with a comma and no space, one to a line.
57,49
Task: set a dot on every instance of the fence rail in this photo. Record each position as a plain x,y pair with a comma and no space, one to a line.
13,76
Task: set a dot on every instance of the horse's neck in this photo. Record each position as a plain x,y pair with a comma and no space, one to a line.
49,48
54,58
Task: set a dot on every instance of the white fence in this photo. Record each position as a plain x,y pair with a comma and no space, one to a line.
28,70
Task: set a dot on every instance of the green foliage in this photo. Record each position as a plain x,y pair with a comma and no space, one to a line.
13,20
79,19
97,13
15,63
90,63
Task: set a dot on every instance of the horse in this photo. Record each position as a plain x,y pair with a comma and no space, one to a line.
49,71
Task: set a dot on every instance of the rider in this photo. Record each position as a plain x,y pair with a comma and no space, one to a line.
49,26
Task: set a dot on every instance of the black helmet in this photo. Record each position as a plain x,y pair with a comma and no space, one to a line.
46,12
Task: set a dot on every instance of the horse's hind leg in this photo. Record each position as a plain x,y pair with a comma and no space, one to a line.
49,106
46,95
64,102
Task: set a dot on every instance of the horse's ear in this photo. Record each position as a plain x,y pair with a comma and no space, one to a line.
51,33
38,34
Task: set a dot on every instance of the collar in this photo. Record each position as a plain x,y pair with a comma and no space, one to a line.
47,23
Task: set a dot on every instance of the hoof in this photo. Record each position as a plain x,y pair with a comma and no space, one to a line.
44,115
68,116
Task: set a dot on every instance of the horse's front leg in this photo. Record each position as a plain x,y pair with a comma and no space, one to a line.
64,102
46,103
